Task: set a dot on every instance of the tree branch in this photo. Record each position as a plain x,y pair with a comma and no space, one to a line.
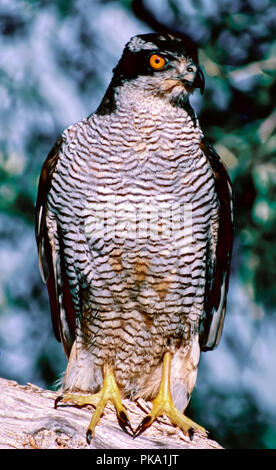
28,420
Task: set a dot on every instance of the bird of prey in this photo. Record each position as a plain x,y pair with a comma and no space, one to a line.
134,230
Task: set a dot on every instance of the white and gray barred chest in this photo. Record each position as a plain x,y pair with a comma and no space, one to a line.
136,203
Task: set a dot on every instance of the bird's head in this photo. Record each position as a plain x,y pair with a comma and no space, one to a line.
163,65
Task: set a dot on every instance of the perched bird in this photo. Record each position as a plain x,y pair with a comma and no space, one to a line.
134,231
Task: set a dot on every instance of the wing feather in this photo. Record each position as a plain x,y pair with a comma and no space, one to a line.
51,261
218,276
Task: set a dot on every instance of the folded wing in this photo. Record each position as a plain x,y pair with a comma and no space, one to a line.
51,260
218,274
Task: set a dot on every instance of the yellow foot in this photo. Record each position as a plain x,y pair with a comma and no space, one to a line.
108,392
163,405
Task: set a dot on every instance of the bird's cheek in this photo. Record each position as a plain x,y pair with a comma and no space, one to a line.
169,84
188,77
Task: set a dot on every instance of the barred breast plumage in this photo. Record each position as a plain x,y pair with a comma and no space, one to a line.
133,216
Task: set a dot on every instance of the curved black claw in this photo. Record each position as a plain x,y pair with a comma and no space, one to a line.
88,436
145,423
58,399
125,423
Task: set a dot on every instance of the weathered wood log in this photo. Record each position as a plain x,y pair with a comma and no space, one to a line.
28,420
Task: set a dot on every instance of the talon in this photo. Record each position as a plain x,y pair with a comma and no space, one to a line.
58,399
145,423
141,428
88,436
138,431
108,392
163,405
125,423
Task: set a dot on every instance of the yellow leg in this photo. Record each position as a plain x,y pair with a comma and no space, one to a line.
163,405
108,392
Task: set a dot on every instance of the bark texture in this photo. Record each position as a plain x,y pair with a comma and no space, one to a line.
28,420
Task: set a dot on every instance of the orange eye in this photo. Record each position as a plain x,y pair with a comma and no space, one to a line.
156,61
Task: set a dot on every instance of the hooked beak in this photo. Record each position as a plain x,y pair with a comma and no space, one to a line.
199,81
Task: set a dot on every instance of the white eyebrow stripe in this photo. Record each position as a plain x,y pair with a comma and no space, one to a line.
137,44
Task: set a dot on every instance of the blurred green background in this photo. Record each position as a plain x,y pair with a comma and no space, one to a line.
56,60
